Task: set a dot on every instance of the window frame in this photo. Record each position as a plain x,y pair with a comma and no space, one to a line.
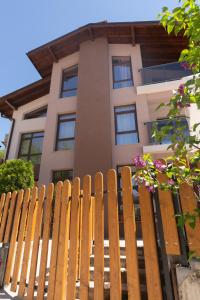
63,170
127,131
58,127
123,80
29,149
62,90
38,110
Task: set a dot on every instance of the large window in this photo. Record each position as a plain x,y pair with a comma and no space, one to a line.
62,175
65,132
69,82
122,72
126,131
31,149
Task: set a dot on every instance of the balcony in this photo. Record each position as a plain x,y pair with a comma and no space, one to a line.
163,73
161,146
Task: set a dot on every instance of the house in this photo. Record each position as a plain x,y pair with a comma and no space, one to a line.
94,106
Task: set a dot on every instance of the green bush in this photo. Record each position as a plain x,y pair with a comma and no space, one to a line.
16,174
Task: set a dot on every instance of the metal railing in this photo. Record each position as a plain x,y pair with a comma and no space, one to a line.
164,72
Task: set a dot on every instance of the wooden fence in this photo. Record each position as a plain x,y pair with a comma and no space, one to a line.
55,232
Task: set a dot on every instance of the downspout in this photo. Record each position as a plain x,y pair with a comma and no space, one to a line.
10,138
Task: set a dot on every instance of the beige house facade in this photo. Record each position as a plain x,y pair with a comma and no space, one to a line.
94,106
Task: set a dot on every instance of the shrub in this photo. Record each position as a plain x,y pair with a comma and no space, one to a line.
16,174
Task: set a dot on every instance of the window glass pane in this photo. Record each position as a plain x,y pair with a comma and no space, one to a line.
65,145
23,157
124,108
69,93
122,72
129,138
24,147
126,122
26,135
35,159
38,134
70,83
122,84
41,112
66,129
67,117
36,146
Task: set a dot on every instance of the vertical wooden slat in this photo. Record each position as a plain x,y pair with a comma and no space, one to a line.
4,217
168,220
189,203
85,239
150,248
34,258
113,230
13,238
45,242
55,239
99,239
18,256
10,217
79,235
130,236
72,269
62,260
27,246
2,202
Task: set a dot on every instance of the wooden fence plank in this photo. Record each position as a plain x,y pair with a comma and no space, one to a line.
2,202
62,260
34,258
113,230
130,236
12,245
27,246
73,259
10,217
189,203
99,239
85,239
55,239
168,220
18,256
45,242
5,215
150,248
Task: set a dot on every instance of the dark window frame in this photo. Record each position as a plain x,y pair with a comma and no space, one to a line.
29,138
64,170
39,110
127,131
64,76
58,127
122,80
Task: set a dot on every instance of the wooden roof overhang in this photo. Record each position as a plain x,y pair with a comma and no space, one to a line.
12,101
151,36
157,47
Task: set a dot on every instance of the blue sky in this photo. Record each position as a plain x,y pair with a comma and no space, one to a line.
27,24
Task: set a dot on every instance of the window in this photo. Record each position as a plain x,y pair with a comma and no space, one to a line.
62,175
126,131
65,132
122,72
173,124
38,113
31,149
69,82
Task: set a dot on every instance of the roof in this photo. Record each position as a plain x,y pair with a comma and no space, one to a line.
151,36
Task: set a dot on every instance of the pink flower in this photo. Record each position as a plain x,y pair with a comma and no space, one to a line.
159,166
150,188
181,89
171,182
139,162
185,65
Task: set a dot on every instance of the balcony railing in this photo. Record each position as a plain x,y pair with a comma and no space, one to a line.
162,73
151,126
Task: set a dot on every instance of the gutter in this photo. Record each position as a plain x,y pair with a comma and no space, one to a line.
9,139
